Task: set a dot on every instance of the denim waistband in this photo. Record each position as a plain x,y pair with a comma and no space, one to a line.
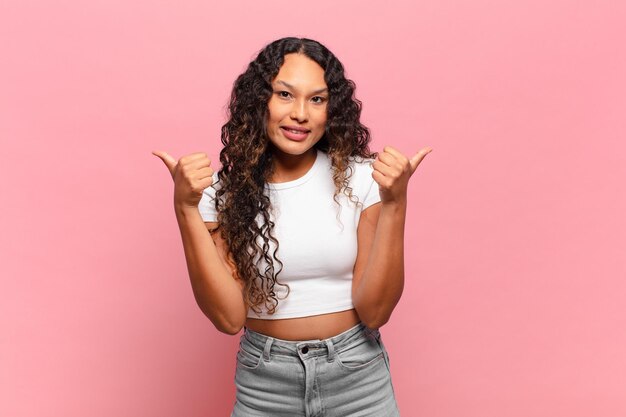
313,347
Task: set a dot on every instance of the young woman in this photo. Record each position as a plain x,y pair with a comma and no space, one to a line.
298,238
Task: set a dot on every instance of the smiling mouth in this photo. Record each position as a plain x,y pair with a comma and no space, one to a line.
294,134
299,132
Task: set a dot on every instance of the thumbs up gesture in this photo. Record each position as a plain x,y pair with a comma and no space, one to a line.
392,171
191,174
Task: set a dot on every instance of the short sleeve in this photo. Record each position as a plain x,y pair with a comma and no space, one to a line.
364,185
207,202
373,194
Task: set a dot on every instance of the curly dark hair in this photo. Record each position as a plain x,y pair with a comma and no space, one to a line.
246,158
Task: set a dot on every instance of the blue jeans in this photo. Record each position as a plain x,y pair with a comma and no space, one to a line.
347,375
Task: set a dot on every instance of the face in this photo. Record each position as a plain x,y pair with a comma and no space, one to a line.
297,108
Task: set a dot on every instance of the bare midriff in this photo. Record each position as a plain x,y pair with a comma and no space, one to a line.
321,327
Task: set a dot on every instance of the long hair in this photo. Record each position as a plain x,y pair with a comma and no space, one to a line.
242,205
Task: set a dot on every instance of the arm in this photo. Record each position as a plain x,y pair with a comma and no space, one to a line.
379,269
214,281
218,294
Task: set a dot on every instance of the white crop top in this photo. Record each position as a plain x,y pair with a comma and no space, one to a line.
317,248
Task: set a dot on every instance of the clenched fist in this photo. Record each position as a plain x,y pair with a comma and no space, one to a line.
392,171
191,174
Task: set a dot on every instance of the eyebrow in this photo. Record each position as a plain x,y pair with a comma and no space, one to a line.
321,90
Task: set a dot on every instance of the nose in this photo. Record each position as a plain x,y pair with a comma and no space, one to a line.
300,111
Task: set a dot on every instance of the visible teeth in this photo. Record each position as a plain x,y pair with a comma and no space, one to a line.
295,131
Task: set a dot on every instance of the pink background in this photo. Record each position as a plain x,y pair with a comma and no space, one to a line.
514,303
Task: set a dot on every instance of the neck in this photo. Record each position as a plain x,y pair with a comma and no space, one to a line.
290,167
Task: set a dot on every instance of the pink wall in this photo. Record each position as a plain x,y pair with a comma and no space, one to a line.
515,284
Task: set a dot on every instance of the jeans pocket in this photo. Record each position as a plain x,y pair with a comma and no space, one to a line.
248,355
362,354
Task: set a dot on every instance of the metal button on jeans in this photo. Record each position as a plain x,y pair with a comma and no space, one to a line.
305,349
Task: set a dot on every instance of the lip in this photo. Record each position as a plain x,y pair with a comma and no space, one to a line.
292,135
298,128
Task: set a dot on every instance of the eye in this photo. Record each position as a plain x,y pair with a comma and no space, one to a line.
319,100
283,94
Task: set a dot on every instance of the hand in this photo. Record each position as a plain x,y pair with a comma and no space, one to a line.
392,172
191,174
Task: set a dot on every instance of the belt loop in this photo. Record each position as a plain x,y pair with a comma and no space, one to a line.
266,351
331,350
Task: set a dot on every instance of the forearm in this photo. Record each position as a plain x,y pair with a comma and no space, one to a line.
382,282
217,293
